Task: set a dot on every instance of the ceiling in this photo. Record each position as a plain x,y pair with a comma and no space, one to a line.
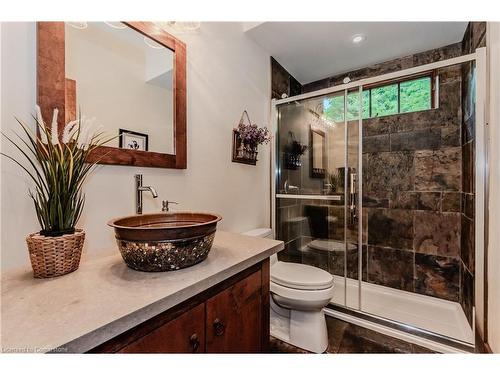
316,50
156,58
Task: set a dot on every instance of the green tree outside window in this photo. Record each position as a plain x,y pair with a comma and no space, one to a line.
384,100
414,95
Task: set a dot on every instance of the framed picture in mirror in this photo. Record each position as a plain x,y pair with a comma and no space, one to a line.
131,140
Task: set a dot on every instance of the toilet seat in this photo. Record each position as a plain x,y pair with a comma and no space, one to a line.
300,276
311,298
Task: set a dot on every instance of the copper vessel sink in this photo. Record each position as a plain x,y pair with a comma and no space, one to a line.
165,241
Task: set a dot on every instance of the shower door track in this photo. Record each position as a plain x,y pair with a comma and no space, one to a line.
481,175
334,309
379,78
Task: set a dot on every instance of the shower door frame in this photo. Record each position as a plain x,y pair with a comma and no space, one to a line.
480,170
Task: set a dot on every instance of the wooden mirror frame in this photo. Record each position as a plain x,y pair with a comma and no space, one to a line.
55,91
317,172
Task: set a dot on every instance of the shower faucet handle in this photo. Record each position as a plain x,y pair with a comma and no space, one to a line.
287,187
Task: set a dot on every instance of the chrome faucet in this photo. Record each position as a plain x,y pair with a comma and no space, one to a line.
287,187
138,193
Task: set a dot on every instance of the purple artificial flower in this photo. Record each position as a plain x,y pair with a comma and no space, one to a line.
252,134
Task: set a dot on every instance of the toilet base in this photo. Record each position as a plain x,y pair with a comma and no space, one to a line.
303,329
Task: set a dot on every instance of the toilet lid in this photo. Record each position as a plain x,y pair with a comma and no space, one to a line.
300,276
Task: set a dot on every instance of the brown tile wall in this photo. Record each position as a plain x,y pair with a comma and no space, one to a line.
411,184
282,82
395,65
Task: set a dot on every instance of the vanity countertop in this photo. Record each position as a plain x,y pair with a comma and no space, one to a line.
103,298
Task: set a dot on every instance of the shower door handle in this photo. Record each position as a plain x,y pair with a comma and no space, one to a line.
352,197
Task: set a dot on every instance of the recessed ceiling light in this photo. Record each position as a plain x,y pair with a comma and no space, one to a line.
358,38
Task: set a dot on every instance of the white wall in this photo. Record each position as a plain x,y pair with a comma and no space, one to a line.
494,203
0,121
227,73
159,62
18,84
110,73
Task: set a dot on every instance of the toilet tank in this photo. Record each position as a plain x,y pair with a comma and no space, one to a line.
260,232
264,233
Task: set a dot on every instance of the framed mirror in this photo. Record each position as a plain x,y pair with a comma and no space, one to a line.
128,76
318,152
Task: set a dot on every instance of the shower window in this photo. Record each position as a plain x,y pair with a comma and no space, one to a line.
333,107
415,95
384,101
410,95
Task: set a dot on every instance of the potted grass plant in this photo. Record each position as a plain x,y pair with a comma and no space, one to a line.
56,163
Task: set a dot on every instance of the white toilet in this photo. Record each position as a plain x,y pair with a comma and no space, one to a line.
298,294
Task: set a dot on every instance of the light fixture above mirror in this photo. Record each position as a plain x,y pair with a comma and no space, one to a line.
116,25
78,25
179,26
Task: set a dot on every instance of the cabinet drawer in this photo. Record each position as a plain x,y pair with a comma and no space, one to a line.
234,318
184,334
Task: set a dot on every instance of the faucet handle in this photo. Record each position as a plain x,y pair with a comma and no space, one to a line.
164,205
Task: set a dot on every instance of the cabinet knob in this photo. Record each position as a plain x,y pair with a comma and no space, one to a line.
194,341
218,327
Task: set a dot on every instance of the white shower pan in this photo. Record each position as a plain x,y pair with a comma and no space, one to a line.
445,318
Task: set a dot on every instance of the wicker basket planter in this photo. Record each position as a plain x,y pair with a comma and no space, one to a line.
55,256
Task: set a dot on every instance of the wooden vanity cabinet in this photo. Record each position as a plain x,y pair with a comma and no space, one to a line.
231,317
184,334
233,321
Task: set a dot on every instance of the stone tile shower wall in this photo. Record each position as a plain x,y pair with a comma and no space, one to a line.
282,82
391,66
411,195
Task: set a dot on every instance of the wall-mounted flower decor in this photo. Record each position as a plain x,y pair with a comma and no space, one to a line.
246,139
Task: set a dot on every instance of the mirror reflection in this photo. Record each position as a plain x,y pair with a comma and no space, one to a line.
124,80
318,152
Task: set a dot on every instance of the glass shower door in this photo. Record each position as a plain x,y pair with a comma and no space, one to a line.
379,185
317,208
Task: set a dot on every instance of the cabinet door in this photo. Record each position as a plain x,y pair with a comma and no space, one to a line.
184,334
234,318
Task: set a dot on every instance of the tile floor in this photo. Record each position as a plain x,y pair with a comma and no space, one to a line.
346,338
